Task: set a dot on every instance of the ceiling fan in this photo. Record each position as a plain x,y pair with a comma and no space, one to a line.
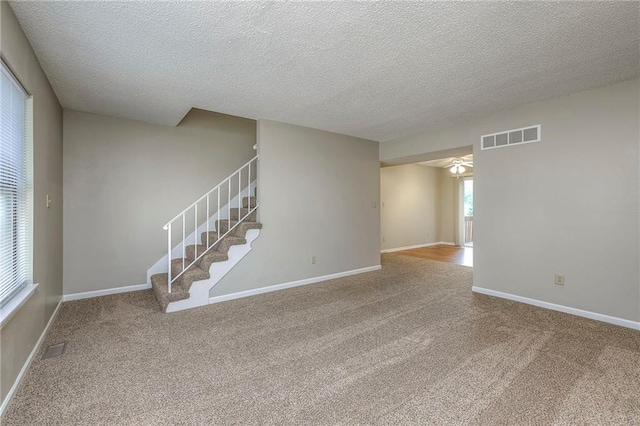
457,166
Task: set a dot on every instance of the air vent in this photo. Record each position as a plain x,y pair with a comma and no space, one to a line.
511,137
55,350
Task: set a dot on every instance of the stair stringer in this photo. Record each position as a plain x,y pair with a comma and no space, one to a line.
199,291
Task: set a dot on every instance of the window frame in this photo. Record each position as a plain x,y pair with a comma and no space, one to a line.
21,212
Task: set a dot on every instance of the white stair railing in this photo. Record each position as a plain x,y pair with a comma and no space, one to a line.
217,193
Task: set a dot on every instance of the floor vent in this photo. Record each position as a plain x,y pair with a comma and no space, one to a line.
55,350
511,137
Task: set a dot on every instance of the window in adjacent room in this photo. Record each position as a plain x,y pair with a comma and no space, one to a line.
15,186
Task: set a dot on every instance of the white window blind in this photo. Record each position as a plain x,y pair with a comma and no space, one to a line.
15,188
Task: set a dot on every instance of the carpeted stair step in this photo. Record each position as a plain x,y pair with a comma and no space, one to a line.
249,202
223,225
193,273
243,227
226,242
213,237
159,284
208,258
217,253
244,212
240,230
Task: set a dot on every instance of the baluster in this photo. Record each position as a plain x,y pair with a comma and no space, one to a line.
207,248
195,233
169,256
183,238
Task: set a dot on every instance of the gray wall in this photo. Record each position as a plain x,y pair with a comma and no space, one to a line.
20,334
125,179
410,201
448,206
419,205
316,191
568,204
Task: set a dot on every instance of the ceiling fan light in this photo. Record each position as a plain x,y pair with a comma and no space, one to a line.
461,169
453,169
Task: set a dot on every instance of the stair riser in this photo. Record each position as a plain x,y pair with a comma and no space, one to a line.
241,230
185,280
243,212
159,286
207,261
245,202
192,252
226,243
223,226
213,236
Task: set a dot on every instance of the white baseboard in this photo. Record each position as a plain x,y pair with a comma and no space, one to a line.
27,363
391,250
560,308
276,287
97,293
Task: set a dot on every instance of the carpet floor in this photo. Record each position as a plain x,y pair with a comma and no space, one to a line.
409,344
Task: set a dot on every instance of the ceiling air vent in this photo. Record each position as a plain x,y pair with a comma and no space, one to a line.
511,137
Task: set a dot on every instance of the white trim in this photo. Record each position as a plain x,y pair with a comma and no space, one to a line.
391,250
276,287
560,308
27,363
15,303
106,292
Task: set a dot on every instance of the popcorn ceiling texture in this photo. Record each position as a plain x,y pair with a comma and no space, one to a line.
373,70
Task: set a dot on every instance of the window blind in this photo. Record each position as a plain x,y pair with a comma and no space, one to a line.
15,188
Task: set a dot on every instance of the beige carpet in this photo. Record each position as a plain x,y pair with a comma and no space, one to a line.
409,344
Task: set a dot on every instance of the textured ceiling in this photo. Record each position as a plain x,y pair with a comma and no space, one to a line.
378,70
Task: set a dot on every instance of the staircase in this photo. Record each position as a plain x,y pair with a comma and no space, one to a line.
225,237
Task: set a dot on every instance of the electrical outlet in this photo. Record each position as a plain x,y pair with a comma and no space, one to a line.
313,260
559,279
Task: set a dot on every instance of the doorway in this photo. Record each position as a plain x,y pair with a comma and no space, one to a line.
467,198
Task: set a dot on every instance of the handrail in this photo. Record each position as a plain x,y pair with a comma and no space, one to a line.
209,192
194,206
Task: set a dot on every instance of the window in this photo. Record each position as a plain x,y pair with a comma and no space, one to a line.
15,186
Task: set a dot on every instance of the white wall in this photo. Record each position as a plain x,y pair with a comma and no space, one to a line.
316,191
569,204
410,205
125,179
20,334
